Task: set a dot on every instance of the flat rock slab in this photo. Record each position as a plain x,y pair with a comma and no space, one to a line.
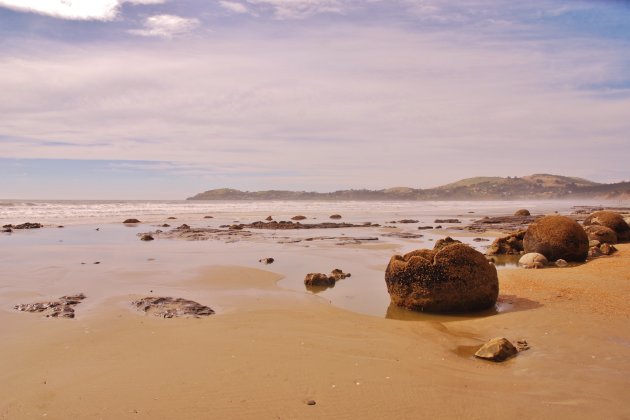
60,308
502,223
168,307
283,225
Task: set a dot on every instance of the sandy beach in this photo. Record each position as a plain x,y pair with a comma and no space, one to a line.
272,347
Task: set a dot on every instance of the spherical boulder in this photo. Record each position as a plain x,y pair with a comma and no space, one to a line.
602,234
557,237
611,220
450,278
522,212
533,260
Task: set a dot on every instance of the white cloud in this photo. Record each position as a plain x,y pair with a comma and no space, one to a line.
73,9
233,6
166,26
300,9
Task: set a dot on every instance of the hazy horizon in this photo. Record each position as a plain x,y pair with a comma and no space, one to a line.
162,99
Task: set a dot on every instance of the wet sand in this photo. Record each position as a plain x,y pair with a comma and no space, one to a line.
271,349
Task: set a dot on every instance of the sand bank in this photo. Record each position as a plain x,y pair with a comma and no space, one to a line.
277,349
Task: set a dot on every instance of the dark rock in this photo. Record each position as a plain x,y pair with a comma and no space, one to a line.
168,307
481,240
502,223
283,225
408,221
511,244
132,221
7,230
335,216
424,227
557,237
522,212
266,260
146,237
601,234
60,308
319,280
26,225
208,217
298,217
441,243
453,277
183,227
165,225
497,350
611,220
403,235
438,227
338,274
269,218
447,221
310,402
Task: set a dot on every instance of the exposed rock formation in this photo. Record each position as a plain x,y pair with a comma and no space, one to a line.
26,225
511,244
168,307
60,308
557,237
450,278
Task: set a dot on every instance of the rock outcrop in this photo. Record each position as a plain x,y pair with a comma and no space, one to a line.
557,237
512,244
60,308
450,278
611,220
168,307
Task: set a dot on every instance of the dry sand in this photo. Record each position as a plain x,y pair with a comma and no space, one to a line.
280,348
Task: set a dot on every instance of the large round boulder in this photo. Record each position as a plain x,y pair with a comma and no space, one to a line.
602,234
522,212
450,278
557,237
611,220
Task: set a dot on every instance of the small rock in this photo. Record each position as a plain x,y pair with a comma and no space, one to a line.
335,216
310,402
408,221
522,212
171,218
561,263
269,218
447,221
318,280
424,227
533,260
497,350
131,221
165,225
298,217
266,260
481,240
607,249
208,217
146,237
522,345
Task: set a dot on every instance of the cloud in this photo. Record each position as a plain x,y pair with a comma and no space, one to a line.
166,26
74,9
233,6
300,9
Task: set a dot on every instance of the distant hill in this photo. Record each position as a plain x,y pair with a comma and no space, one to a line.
537,186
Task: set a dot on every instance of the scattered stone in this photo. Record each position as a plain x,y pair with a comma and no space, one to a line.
481,240
452,277
168,307
522,345
131,221
611,220
269,218
310,402
424,227
165,225
339,274
146,237
408,221
26,225
7,230
403,235
183,227
97,262
557,237
533,260
298,217
522,212
266,260
447,221
438,227
319,280
60,227
208,217
283,225
561,263
601,234
60,308
497,350
335,216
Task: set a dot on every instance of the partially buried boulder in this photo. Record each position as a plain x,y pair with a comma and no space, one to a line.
319,280
497,350
512,244
450,278
611,220
522,212
131,221
533,260
557,237
601,234
335,216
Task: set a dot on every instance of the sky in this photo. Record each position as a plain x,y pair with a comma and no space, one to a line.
161,99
